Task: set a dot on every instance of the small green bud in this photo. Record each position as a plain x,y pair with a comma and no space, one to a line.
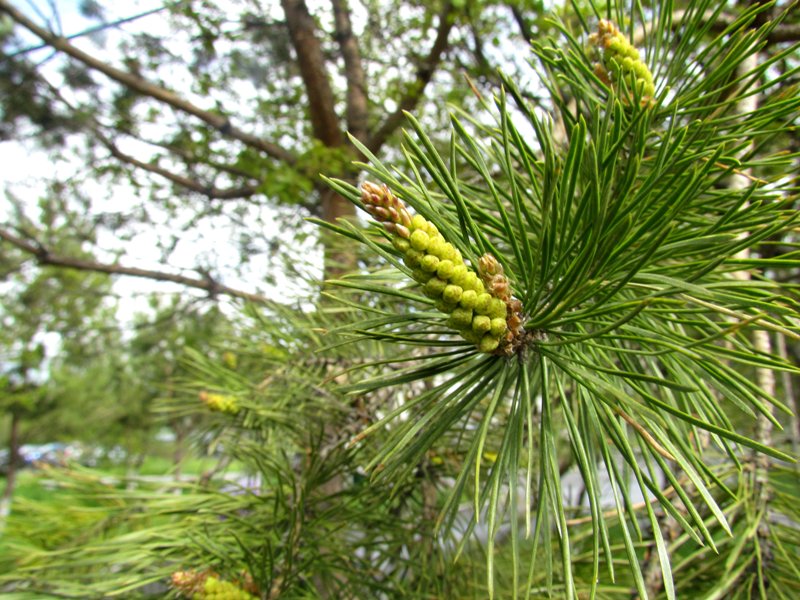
449,252
481,324
429,263
436,247
443,306
627,63
497,309
498,327
470,336
420,240
459,272
400,244
482,304
461,318
617,46
419,222
431,229
421,276
470,281
488,344
434,287
642,72
413,258
452,294
445,269
468,299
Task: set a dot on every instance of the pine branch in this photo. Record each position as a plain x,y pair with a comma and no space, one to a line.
44,256
416,89
219,122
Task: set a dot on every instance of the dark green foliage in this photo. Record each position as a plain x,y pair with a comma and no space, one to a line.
624,241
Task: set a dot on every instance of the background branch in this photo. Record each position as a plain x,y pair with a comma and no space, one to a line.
219,122
44,256
415,91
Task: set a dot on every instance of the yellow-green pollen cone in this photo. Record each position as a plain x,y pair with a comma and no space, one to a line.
621,61
205,585
480,314
216,589
219,402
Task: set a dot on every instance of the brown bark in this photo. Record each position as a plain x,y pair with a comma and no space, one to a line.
791,397
357,99
138,84
765,377
311,61
324,123
44,257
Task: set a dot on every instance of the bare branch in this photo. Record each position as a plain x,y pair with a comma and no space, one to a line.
219,122
785,32
212,192
43,256
95,29
357,103
416,90
190,157
522,23
780,33
324,120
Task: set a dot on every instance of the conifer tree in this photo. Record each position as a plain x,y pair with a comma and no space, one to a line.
533,306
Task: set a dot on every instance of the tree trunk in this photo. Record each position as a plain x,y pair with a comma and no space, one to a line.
13,461
179,451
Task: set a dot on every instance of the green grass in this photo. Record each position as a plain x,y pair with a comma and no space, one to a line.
29,486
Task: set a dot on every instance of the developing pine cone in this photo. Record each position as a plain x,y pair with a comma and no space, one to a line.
219,402
621,61
206,585
216,589
481,308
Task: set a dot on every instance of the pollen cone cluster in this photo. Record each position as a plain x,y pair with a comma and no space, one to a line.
219,402
481,307
620,60
207,586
